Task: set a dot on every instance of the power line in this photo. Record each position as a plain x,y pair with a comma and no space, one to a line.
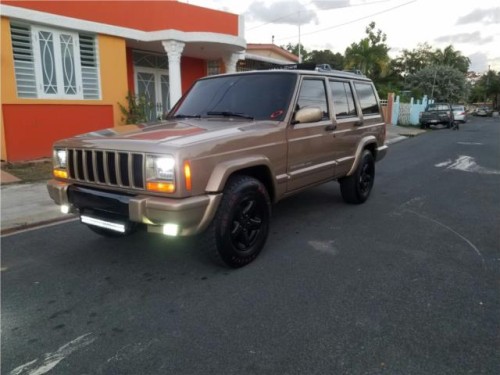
350,22
298,11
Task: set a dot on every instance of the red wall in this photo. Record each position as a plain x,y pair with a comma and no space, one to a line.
31,129
191,70
141,15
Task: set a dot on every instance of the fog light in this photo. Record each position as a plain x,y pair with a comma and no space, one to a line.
170,229
65,209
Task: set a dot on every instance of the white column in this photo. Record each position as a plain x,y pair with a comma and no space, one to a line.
174,51
231,60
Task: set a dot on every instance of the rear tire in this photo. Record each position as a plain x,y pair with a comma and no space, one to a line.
240,227
356,188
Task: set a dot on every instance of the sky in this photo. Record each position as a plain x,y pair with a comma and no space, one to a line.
472,27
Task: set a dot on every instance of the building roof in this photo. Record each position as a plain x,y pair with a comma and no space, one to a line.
271,49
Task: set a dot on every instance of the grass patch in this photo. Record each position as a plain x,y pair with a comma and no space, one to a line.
31,171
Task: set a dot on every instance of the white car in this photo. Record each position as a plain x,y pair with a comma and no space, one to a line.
459,113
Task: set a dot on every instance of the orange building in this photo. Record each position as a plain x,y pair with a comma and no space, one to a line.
68,66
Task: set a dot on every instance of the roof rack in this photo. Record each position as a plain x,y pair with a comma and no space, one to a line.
319,68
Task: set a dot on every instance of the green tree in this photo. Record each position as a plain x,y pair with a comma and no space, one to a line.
439,82
487,89
294,48
411,61
336,60
370,55
453,58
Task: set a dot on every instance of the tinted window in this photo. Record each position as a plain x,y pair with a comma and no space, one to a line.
261,96
313,94
367,98
343,102
439,107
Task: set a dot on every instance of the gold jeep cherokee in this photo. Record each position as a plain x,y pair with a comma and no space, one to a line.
233,145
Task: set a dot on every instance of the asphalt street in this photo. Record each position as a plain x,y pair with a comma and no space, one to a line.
406,283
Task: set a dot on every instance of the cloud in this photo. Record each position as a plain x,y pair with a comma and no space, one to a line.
474,38
287,12
485,16
331,4
478,62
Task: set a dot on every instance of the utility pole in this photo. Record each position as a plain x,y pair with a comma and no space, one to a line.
300,54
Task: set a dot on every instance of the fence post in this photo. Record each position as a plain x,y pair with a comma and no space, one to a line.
395,111
390,104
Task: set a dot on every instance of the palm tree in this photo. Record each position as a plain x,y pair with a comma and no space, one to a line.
370,55
371,59
453,58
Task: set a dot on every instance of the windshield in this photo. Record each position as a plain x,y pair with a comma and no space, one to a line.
439,107
249,96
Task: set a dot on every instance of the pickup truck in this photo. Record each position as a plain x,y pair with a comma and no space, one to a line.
435,114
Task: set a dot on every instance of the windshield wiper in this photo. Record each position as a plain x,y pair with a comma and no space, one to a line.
229,114
186,116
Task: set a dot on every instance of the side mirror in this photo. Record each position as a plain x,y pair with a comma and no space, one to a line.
308,114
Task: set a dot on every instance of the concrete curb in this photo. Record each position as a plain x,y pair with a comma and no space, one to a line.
26,226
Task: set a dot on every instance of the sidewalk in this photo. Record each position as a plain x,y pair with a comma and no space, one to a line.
26,205
398,133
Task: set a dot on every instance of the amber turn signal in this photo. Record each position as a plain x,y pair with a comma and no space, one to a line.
60,173
187,175
161,187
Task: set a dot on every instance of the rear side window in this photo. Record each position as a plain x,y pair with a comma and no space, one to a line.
439,107
367,98
313,94
343,101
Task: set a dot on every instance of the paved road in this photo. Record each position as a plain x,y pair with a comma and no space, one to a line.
404,284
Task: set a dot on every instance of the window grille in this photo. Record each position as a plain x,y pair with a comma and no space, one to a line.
213,67
40,53
90,68
24,65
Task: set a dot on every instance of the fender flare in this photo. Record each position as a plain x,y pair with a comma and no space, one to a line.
363,144
223,170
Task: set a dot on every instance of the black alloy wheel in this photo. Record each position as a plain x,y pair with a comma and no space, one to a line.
240,227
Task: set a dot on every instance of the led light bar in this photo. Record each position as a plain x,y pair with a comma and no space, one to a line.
103,224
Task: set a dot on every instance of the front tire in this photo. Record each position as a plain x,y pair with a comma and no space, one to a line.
239,230
356,188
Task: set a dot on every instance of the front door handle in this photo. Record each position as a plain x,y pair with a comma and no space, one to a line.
330,127
358,123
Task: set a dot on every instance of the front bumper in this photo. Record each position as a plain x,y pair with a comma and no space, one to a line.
192,214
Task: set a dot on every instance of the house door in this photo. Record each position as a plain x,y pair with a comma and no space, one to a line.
153,85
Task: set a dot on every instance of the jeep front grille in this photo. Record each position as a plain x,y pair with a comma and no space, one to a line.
112,168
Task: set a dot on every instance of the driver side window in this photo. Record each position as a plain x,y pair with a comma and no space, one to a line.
313,94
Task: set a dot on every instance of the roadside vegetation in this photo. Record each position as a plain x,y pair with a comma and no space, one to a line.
30,171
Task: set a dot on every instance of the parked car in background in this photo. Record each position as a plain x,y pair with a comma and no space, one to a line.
483,111
435,114
459,113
